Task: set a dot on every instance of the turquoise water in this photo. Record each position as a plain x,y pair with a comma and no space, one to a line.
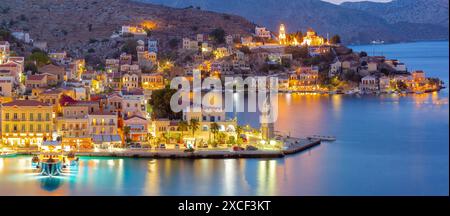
386,145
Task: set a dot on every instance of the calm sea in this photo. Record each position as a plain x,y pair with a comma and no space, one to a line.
386,145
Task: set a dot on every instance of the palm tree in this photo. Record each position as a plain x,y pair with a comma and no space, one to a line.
194,124
149,138
239,130
214,129
183,126
126,133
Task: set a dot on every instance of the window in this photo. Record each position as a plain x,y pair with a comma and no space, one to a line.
7,116
7,128
23,116
39,129
47,128
15,116
23,128
39,117
15,128
47,116
31,128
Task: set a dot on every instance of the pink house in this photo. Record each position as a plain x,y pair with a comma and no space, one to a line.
138,128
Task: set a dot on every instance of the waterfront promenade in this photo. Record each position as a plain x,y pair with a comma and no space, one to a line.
292,146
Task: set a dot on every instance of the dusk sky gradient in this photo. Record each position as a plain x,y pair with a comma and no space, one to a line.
340,1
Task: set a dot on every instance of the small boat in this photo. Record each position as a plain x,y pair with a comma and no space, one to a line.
7,153
339,92
377,42
322,138
51,159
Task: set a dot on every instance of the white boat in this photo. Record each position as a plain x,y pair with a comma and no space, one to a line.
378,42
322,138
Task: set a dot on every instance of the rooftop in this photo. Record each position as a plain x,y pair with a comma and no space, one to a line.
25,103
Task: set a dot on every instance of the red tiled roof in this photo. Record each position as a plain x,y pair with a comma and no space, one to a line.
103,113
25,103
9,64
135,116
35,77
65,99
51,69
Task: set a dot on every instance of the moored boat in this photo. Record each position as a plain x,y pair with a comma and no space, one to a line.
51,160
322,138
7,153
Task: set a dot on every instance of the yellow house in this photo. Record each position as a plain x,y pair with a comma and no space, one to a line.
152,81
26,123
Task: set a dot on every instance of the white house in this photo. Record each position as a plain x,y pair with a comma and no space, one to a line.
368,84
262,32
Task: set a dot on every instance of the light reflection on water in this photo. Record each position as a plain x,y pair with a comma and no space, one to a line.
387,145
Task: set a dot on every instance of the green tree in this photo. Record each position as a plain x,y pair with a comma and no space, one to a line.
218,35
126,133
149,138
30,66
130,47
194,125
336,39
297,52
160,102
39,57
214,129
183,126
173,43
362,54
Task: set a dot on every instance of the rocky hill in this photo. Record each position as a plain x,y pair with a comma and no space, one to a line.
353,24
86,25
412,11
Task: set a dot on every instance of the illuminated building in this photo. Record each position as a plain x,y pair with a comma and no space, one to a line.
312,39
6,87
152,81
26,123
262,32
130,81
133,30
282,35
138,126
73,126
103,129
4,51
305,78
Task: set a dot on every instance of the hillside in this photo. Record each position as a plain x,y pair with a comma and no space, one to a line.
355,26
412,11
78,25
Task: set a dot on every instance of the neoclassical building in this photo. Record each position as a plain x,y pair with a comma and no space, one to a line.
26,123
